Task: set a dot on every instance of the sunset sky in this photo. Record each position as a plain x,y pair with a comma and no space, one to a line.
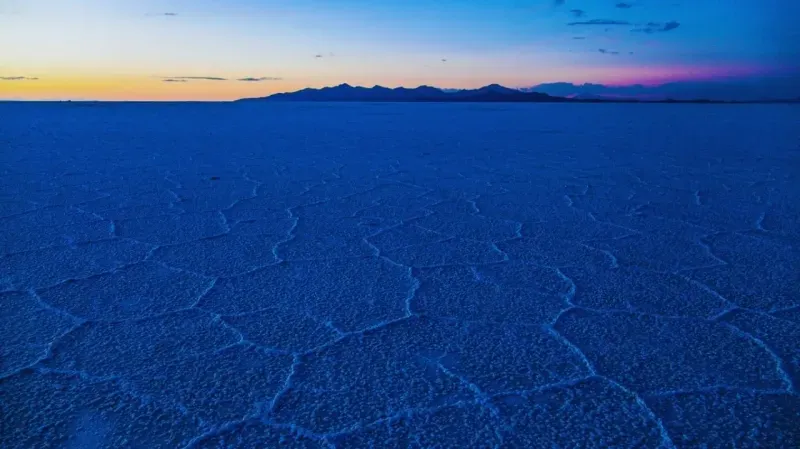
227,49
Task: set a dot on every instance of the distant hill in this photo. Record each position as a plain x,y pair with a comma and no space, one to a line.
771,89
346,92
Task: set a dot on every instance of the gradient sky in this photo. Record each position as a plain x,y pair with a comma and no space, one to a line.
159,49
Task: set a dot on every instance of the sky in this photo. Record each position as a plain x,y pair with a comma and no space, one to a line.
228,49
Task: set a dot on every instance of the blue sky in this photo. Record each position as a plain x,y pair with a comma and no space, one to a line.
128,48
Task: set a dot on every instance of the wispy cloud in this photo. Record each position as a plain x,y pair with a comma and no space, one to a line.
579,38
162,14
624,5
18,78
559,2
577,12
600,22
247,79
657,27
259,79
607,52
194,78
669,26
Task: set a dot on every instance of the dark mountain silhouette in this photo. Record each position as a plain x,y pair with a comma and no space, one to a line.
495,93
346,92
763,89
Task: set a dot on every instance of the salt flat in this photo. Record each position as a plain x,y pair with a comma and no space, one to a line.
399,275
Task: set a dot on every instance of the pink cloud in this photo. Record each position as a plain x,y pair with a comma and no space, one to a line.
655,75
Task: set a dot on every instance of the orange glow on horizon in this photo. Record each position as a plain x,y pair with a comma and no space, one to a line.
129,88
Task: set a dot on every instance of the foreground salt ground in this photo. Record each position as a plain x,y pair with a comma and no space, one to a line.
373,275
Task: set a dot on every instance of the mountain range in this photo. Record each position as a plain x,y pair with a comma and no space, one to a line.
684,92
346,92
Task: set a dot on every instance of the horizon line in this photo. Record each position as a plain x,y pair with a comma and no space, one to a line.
521,89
